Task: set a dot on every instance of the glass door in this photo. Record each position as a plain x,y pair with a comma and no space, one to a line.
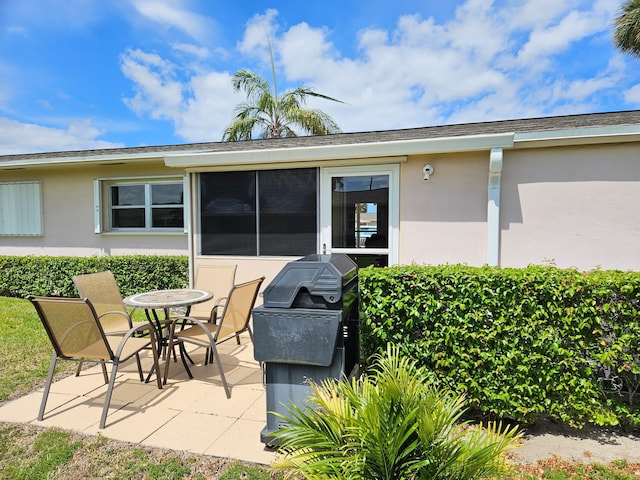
359,214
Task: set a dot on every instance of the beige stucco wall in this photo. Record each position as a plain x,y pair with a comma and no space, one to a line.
68,217
444,220
572,207
567,206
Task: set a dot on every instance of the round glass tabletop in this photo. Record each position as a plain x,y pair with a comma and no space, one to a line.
168,298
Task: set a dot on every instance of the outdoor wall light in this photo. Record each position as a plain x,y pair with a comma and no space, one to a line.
427,170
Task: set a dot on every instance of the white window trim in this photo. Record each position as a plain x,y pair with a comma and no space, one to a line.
394,208
101,208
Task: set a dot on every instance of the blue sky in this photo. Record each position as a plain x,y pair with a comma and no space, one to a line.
87,74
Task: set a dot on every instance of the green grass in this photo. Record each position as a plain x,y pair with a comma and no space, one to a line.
25,350
31,452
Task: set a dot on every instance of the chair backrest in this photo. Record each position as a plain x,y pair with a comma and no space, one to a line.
237,311
218,279
73,327
102,290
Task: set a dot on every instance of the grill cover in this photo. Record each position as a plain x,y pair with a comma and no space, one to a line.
315,281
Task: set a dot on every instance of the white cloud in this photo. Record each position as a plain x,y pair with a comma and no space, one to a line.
158,92
175,14
260,29
210,109
632,95
190,49
200,105
488,62
17,137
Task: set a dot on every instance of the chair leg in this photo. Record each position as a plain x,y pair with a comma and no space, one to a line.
47,386
219,364
107,400
139,367
183,356
104,372
156,364
250,333
170,348
183,351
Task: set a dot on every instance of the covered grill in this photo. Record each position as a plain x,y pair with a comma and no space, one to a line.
306,329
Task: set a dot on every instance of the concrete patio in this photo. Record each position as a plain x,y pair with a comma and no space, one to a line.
187,414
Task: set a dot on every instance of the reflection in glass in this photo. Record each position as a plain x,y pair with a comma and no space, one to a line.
228,213
127,218
360,211
266,212
127,195
167,217
166,194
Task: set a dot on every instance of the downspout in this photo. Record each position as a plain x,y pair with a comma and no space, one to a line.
493,207
189,195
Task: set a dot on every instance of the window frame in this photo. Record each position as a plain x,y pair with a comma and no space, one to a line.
103,204
390,170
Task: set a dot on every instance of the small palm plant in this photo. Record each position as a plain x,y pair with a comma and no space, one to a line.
391,424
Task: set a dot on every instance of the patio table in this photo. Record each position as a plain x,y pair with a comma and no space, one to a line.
165,300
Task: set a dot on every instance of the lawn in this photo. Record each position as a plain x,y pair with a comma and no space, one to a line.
25,350
33,452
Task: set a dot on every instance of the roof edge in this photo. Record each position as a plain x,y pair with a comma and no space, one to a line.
352,151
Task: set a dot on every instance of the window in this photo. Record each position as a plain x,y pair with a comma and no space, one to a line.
20,208
142,205
259,213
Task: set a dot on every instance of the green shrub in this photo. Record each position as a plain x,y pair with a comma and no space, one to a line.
390,424
32,275
520,343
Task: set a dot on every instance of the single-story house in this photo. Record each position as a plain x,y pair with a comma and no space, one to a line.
559,190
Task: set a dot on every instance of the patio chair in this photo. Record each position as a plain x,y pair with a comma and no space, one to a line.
228,321
76,334
218,279
102,290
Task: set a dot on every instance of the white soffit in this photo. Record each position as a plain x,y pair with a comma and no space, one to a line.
325,153
578,136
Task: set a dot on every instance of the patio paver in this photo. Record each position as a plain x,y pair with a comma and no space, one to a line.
192,415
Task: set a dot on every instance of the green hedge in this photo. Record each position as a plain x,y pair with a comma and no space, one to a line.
22,276
521,343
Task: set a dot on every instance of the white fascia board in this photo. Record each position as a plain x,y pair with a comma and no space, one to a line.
83,159
578,136
398,148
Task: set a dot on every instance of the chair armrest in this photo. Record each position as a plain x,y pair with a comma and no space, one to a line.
140,328
221,303
118,312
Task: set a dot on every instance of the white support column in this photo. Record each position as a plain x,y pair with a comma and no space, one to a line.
493,207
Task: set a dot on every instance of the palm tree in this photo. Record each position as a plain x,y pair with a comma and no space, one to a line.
627,28
275,116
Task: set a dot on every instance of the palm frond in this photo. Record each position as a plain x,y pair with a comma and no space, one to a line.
313,122
240,129
627,28
276,116
390,424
